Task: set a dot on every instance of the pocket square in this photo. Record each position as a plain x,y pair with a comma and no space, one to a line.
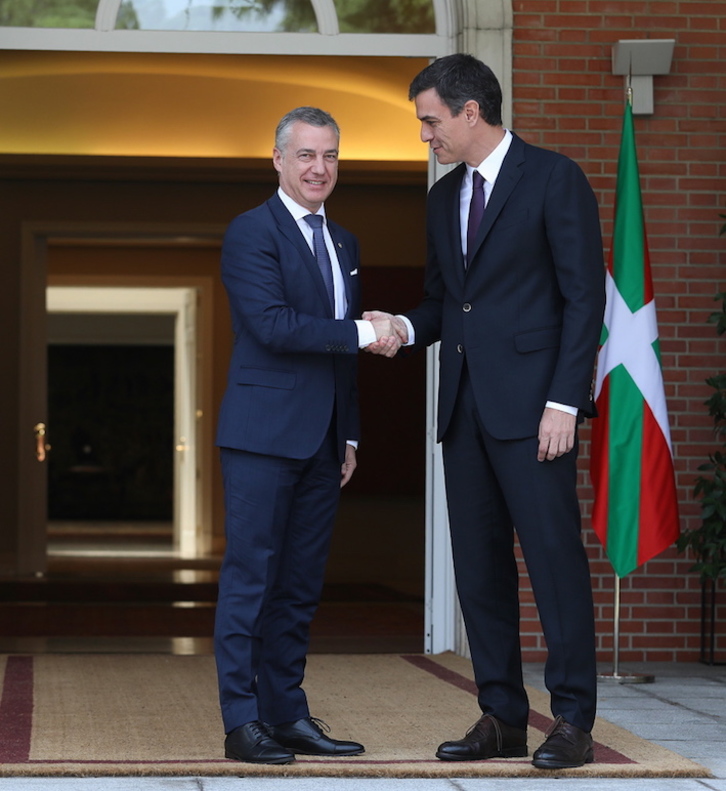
354,272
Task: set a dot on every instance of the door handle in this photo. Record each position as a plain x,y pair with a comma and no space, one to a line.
41,446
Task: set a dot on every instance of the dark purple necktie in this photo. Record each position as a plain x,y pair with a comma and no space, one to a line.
315,221
476,212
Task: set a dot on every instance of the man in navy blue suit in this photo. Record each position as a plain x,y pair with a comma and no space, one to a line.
288,431
514,291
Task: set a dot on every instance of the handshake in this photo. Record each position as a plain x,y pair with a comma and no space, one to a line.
391,333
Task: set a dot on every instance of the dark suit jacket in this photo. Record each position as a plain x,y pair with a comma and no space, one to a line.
292,362
527,314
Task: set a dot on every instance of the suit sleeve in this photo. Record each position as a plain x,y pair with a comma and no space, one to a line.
426,318
573,230
272,295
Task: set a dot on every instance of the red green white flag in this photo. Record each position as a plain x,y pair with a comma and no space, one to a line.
635,513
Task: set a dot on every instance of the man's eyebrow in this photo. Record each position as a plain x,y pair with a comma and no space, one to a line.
312,151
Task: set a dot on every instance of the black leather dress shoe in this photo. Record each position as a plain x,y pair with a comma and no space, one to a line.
487,738
306,737
566,746
253,744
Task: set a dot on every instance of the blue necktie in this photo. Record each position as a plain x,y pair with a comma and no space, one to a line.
476,212
315,221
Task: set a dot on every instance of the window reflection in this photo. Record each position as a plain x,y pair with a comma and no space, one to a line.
385,16
273,16
48,13
217,15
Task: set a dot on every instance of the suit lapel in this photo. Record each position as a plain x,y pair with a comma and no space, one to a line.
452,220
511,172
345,264
289,229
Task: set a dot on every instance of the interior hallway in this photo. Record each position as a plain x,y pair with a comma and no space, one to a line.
119,587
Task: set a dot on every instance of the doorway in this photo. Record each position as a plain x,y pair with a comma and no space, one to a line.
122,387
374,555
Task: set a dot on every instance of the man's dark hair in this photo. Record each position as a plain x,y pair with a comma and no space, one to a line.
306,115
458,79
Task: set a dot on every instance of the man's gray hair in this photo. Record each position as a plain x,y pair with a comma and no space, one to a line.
306,115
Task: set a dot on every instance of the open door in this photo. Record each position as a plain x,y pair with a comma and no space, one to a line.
186,474
28,555
181,303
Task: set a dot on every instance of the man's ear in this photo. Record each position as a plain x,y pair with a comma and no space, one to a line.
277,159
471,111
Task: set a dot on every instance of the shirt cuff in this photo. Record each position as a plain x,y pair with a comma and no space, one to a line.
366,333
571,410
411,332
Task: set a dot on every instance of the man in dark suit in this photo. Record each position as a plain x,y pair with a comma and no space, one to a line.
516,297
288,429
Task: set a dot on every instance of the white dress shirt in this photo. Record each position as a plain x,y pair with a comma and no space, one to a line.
366,333
299,213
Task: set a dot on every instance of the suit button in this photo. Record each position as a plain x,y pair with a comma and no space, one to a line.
467,307
460,348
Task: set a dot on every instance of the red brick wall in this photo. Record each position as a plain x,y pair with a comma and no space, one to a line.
566,98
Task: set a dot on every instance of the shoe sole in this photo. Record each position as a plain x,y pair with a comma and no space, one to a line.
328,755
540,764
514,752
276,761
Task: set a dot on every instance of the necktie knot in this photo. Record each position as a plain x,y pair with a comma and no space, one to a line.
314,220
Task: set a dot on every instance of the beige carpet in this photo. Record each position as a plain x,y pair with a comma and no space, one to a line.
78,715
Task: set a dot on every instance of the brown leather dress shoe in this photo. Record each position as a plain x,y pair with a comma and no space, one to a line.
306,737
565,747
253,744
487,738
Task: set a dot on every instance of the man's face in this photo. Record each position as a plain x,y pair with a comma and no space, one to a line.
448,136
308,166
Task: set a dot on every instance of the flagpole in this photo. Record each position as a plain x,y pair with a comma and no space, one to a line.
616,675
628,505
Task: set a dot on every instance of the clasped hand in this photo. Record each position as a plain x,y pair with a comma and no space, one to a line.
391,333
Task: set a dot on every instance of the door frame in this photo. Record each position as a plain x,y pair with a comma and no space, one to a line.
36,238
181,303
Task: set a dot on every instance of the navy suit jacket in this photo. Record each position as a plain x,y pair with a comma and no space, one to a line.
527,313
293,365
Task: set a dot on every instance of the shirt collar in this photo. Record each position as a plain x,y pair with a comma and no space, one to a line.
297,211
491,166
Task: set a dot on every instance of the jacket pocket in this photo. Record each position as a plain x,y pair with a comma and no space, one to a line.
532,340
266,377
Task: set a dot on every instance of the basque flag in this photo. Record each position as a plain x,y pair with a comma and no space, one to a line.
635,513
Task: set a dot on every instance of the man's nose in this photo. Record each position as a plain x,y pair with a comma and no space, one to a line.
426,135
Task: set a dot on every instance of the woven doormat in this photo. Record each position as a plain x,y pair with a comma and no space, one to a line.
157,715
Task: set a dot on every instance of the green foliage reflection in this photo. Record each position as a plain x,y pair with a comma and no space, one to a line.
354,16
384,16
48,13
